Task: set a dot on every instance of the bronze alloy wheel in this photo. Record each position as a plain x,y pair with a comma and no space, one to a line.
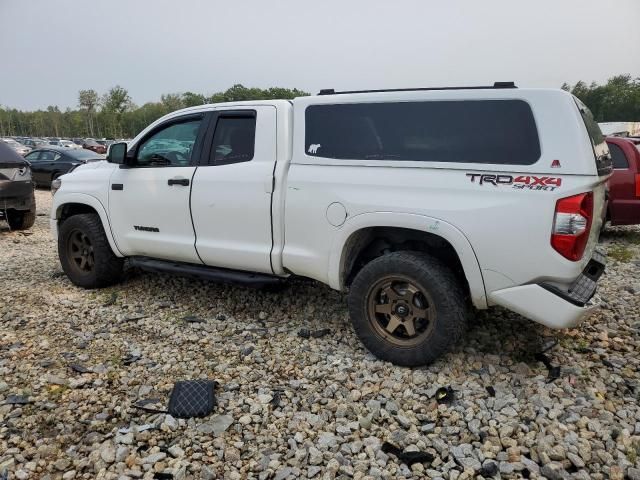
400,311
80,252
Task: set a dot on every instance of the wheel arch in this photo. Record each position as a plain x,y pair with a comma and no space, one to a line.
77,203
368,233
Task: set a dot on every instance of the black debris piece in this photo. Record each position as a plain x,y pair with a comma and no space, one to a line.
134,318
46,363
489,469
554,371
321,333
444,395
76,367
17,400
221,317
56,274
408,458
193,398
68,355
163,476
277,398
491,391
607,363
192,319
189,398
129,359
306,333
248,350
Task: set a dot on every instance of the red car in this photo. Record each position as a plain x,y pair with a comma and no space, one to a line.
624,184
94,146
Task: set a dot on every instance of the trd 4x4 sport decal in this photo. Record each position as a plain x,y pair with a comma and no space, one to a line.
521,182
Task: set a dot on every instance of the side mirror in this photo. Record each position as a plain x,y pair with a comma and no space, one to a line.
118,153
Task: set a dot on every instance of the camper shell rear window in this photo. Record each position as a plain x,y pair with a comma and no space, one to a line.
467,131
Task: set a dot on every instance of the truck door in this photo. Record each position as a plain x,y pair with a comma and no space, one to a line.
231,193
149,200
622,185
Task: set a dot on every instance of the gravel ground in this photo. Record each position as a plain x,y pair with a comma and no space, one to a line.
293,407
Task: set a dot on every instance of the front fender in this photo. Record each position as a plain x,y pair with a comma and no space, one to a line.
423,223
59,201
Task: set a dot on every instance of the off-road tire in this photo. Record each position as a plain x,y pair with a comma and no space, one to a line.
106,268
441,286
22,219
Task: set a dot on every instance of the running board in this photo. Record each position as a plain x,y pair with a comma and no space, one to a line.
204,272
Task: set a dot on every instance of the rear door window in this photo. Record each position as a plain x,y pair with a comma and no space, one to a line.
474,131
233,140
619,159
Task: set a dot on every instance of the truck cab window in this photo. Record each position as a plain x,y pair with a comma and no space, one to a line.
233,140
172,146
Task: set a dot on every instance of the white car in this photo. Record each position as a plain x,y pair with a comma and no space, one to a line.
69,144
422,204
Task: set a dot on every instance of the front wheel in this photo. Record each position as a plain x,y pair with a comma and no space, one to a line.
407,308
85,254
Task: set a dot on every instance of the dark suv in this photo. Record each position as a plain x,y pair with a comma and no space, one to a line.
17,200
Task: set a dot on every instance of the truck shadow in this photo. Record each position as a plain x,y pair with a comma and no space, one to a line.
306,304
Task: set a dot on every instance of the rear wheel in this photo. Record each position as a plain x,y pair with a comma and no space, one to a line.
22,219
85,254
407,308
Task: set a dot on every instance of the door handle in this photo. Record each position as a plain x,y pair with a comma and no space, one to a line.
179,181
117,186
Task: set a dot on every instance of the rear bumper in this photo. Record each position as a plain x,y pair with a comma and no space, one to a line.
17,195
552,306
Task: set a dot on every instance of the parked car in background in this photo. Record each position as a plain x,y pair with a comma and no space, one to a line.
16,146
17,201
91,144
34,142
69,144
49,163
624,184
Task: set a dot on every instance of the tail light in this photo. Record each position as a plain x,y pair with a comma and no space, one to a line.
637,184
572,224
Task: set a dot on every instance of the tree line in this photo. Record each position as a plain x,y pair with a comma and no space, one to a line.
618,100
114,115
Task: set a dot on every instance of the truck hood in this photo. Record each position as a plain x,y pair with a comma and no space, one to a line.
95,165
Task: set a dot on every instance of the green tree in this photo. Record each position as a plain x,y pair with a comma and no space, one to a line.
618,100
190,99
114,114
88,101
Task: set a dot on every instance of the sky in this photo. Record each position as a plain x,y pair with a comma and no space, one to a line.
51,49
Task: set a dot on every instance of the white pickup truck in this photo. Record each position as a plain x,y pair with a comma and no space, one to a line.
423,204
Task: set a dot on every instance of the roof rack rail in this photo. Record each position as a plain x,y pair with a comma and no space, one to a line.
331,91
